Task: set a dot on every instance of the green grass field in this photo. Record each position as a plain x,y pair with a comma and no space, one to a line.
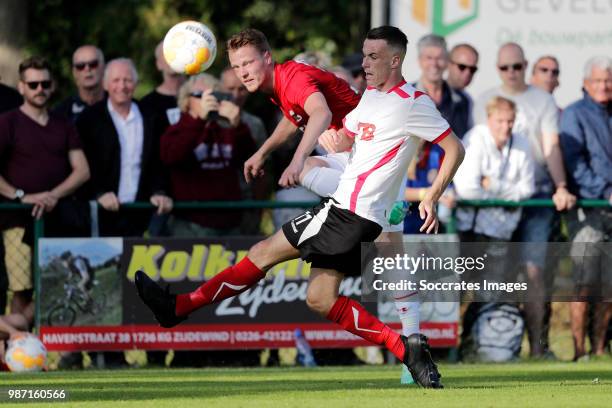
508,385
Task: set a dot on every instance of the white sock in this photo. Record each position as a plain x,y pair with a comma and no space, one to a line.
408,313
322,180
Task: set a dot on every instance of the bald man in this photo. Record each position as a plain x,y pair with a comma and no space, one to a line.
87,69
463,64
545,74
161,102
537,118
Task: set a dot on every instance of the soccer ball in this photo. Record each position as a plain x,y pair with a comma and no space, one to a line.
189,47
26,353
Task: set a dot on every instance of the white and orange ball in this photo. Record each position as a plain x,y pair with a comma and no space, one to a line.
26,354
190,48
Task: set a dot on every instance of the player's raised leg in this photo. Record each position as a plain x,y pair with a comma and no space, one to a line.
322,297
322,174
170,309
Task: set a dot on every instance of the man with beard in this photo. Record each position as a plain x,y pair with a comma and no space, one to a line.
42,162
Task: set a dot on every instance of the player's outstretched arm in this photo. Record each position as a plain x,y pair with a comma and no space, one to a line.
453,156
319,119
253,167
335,141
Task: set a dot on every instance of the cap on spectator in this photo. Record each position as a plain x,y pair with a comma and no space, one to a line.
352,62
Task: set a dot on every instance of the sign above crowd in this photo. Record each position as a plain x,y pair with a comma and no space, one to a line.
570,30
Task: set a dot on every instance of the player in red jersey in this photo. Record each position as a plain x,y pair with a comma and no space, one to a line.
314,100
309,97
330,235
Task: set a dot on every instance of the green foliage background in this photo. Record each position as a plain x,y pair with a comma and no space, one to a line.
132,28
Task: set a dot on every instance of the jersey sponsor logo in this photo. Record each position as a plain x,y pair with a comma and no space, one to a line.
367,131
296,116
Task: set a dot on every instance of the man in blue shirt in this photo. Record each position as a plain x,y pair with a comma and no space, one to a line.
586,138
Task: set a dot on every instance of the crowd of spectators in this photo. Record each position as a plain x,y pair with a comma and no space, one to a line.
188,139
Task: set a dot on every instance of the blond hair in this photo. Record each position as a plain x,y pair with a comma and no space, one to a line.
498,103
185,90
249,36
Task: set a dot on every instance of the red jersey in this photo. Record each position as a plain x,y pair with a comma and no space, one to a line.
295,81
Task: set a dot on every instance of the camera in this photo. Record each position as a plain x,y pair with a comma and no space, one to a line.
219,96
222,96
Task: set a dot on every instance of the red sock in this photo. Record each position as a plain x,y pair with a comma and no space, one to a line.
354,318
229,282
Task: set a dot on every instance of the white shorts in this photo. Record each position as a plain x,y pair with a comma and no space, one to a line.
339,161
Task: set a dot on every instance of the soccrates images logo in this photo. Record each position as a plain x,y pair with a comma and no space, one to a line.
445,16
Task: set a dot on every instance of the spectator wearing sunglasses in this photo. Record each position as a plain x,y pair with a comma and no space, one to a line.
463,64
545,74
42,163
87,69
537,118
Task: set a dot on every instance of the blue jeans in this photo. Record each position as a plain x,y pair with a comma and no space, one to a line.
536,225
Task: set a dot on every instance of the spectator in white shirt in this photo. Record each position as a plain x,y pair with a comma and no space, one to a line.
498,165
123,150
537,118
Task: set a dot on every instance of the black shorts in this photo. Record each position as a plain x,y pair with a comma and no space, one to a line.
330,237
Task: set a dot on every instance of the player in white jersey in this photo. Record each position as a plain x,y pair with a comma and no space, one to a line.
322,176
330,235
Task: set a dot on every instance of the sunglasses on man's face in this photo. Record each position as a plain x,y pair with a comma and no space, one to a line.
514,67
79,66
33,85
463,67
546,70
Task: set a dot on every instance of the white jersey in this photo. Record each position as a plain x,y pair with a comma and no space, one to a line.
339,161
386,127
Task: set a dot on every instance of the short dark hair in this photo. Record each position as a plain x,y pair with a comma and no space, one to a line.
392,35
34,62
249,36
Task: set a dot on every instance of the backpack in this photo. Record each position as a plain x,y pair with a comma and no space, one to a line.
497,332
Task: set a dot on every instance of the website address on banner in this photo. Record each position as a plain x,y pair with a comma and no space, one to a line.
218,337
329,335
138,337
143,337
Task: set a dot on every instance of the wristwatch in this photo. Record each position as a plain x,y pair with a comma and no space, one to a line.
19,193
